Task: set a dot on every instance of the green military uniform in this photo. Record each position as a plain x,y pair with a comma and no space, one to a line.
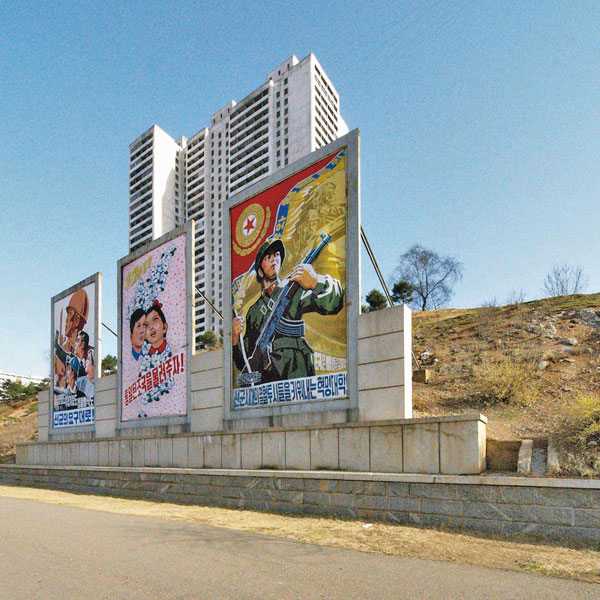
291,355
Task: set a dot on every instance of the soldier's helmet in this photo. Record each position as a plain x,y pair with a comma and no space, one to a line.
80,304
266,248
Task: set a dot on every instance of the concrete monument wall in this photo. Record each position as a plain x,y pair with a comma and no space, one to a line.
379,435
384,381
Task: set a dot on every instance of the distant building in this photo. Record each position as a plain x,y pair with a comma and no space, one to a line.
294,113
24,379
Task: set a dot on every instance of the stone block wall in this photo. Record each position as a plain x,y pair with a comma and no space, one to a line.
43,415
550,508
106,406
384,364
207,409
452,445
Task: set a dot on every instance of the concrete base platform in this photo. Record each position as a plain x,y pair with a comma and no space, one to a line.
446,445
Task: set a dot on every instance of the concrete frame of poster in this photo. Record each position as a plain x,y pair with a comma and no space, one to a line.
92,326
187,232
349,144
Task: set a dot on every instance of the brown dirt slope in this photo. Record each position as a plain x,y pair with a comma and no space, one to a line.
17,425
522,365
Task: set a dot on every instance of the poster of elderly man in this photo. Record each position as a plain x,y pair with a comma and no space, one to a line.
75,343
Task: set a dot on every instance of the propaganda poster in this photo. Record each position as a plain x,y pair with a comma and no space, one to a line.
75,354
153,333
288,280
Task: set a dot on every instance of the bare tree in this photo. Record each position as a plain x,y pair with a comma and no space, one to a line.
516,297
491,303
565,279
432,276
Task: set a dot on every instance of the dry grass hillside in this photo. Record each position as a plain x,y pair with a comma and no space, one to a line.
18,424
533,368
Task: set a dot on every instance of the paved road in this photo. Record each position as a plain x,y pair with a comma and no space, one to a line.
50,551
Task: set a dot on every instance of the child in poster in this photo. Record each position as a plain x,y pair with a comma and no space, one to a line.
154,314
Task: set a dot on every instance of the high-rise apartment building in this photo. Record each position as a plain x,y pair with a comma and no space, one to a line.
296,111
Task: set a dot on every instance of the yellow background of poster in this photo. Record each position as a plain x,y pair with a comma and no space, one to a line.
316,205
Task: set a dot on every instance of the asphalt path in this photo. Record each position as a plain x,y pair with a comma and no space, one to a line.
51,551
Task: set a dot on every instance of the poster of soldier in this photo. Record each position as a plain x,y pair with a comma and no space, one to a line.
75,353
288,278
153,333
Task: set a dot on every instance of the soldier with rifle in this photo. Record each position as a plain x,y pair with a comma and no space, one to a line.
274,344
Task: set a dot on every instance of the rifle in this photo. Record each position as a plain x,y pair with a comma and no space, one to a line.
247,377
261,357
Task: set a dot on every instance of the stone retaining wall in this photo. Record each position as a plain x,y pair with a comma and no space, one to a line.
550,508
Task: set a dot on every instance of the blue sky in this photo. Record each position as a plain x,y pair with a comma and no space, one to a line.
480,132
